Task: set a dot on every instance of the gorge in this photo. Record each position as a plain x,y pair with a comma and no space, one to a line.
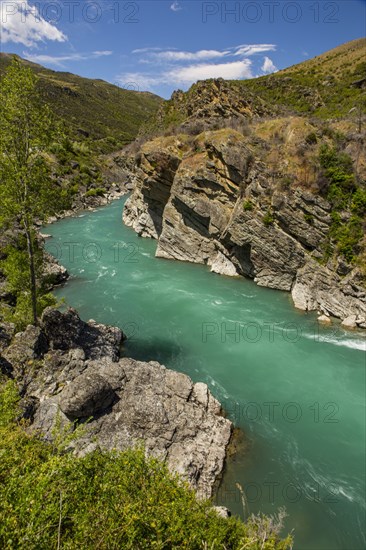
242,364
295,388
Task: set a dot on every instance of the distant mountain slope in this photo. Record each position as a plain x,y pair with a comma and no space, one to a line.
328,86
107,113
334,61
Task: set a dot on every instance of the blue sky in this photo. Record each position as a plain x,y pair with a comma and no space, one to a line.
168,44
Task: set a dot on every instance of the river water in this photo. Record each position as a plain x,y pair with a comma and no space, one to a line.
296,390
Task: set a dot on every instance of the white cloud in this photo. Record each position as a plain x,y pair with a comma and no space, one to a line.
229,71
146,50
251,49
101,53
244,50
190,56
268,66
190,74
59,60
21,23
141,81
176,6
181,68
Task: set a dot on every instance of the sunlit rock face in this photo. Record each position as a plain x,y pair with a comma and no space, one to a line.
208,199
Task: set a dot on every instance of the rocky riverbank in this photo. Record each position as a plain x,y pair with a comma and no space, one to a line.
69,371
211,199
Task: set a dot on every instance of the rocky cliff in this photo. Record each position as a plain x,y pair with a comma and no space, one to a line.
249,204
71,371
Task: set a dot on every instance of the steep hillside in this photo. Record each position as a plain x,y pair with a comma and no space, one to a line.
110,116
98,119
250,187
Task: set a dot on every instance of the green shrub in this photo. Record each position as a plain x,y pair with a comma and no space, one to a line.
360,69
358,204
15,267
268,218
74,189
309,218
247,206
331,158
98,192
51,499
344,195
311,138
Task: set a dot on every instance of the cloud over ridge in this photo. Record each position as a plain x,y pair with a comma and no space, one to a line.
183,68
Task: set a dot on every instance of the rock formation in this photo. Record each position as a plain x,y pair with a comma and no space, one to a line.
209,200
71,371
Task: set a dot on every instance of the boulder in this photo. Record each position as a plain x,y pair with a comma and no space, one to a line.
53,273
66,331
350,322
223,266
86,395
324,319
222,511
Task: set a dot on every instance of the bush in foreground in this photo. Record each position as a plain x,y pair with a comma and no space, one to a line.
51,499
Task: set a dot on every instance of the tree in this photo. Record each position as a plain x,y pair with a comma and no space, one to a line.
27,192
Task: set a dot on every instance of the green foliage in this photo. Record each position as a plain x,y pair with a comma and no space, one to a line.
98,192
309,218
338,169
51,499
330,158
74,189
105,116
27,129
268,218
360,70
9,399
247,206
27,191
21,313
358,205
311,139
15,267
79,168
344,195
347,236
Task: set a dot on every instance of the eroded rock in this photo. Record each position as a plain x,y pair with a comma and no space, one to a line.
69,370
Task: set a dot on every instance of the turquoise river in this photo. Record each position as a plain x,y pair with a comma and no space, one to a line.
296,390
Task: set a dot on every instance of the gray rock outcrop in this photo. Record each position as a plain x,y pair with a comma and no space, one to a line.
69,370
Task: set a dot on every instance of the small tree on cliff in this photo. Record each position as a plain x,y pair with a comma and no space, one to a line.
27,192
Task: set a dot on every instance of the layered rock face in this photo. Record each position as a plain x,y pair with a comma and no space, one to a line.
213,202
71,371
